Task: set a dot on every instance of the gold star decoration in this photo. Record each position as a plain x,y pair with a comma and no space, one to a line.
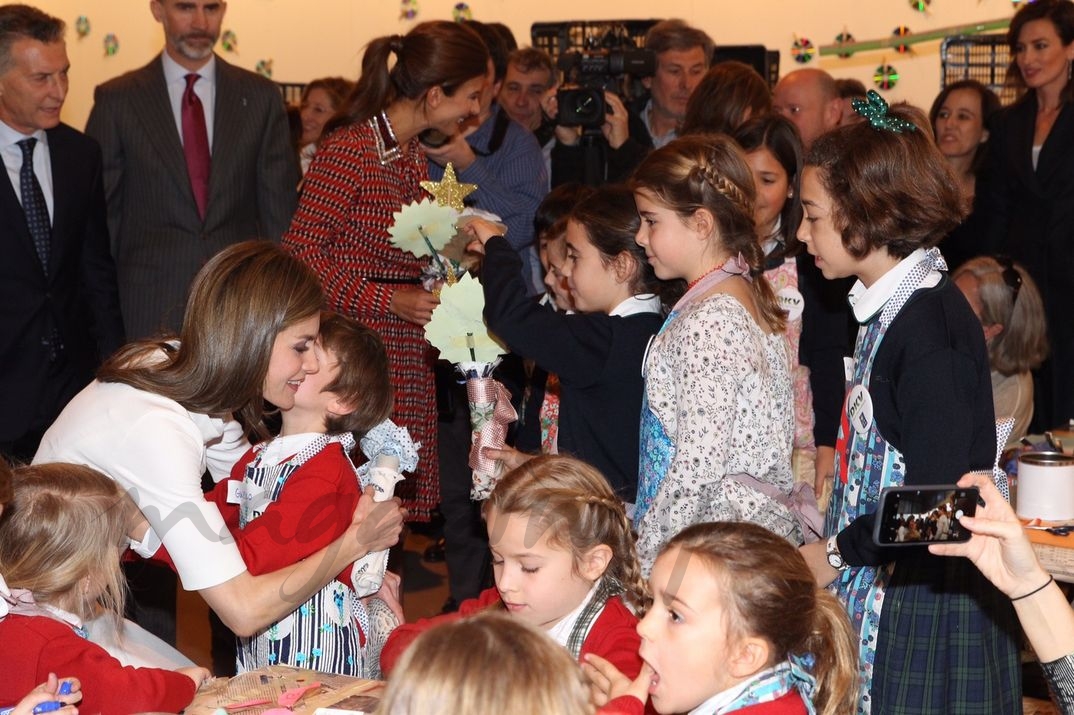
448,191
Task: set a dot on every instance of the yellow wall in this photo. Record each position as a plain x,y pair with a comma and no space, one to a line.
312,38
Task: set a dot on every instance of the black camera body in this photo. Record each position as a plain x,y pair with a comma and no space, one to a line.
594,73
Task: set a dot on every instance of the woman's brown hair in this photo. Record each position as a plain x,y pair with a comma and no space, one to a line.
729,94
709,171
576,506
239,301
1061,14
892,190
436,53
771,594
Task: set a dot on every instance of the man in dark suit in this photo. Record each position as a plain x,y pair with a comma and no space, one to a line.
197,156
59,307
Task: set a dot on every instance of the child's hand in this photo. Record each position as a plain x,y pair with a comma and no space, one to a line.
607,683
198,675
481,230
48,692
378,523
510,456
390,592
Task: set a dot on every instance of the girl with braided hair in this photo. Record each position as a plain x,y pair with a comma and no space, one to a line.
564,561
717,420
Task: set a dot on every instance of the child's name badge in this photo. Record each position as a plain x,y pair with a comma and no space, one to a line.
860,409
791,300
242,493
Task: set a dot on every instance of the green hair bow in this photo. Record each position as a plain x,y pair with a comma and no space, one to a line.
875,111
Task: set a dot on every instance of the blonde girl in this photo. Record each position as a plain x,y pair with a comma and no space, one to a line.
737,625
564,561
717,420
60,542
490,664
596,353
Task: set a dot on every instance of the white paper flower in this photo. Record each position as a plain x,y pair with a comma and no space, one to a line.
457,326
437,223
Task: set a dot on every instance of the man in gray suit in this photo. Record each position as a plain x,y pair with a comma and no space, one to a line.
197,156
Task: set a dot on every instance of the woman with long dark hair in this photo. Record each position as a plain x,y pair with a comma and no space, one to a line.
369,166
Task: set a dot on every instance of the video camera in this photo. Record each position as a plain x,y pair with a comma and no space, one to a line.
595,72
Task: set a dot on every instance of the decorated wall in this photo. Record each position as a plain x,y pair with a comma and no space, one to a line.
298,40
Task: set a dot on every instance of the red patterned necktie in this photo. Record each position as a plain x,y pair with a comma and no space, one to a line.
196,144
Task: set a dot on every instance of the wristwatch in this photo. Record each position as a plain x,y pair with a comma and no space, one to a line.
835,559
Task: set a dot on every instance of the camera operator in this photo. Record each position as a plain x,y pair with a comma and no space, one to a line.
682,56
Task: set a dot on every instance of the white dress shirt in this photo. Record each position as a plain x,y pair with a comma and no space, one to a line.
175,77
9,149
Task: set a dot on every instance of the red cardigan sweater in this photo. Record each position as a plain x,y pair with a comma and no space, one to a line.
35,646
613,636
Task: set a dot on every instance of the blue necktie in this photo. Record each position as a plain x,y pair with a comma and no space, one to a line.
33,203
36,210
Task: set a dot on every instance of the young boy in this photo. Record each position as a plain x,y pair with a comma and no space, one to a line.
291,496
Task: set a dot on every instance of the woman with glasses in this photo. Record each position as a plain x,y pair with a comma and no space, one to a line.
1009,307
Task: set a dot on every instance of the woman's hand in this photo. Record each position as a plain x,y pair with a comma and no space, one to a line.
999,546
510,456
480,230
49,692
378,523
606,682
413,304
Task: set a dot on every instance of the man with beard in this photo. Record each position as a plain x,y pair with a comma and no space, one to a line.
197,156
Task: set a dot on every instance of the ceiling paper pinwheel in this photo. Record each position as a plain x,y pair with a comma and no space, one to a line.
458,331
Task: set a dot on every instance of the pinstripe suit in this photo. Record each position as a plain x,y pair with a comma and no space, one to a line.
158,239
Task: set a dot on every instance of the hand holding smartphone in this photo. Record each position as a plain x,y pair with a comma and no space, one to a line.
925,514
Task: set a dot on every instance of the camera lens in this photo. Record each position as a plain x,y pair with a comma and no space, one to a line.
581,107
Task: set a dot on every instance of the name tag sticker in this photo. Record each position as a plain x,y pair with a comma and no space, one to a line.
860,409
237,492
790,299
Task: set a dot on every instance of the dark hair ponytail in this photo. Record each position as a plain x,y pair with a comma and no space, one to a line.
437,53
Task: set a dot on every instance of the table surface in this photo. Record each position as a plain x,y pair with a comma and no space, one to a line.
1056,553
270,682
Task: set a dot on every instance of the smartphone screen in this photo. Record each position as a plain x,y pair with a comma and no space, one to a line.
923,515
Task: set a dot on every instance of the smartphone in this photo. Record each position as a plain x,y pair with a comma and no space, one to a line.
925,514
